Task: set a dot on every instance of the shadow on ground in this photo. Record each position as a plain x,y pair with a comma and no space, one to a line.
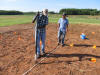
82,45
80,56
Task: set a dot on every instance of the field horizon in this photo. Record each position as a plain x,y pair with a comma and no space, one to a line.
8,20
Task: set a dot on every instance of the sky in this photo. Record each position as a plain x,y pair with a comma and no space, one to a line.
51,5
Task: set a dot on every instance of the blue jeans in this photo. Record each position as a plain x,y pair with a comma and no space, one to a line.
61,36
40,36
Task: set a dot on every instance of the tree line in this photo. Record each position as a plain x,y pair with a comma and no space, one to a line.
4,12
69,11
80,11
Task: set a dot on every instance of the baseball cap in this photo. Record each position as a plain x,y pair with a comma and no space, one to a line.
64,14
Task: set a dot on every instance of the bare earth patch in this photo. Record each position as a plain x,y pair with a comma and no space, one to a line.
17,51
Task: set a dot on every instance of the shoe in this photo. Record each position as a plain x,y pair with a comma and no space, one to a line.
58,43
63,45
37,56
43,53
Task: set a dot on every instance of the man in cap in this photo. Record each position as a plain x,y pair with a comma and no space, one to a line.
63,27
40,31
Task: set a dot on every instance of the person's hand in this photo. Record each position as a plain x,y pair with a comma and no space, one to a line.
38,13
67,30
57,28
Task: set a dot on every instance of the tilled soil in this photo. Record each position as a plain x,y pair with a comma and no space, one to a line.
17,50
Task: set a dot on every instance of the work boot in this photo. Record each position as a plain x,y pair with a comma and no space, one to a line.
63,45
37,56
58,43
43,53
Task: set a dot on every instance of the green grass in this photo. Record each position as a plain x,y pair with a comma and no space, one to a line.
14,19
7,20
80,19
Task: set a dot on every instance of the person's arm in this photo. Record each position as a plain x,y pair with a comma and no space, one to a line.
58,23
47,21
67,26
34,19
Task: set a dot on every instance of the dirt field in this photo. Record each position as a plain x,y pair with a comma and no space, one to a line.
17,51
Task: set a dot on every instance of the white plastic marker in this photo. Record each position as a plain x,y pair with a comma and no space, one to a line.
40,61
